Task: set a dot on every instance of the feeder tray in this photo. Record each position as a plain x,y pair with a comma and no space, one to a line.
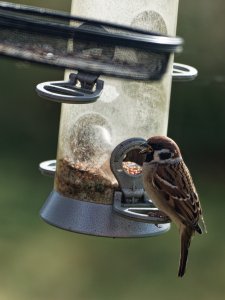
132,213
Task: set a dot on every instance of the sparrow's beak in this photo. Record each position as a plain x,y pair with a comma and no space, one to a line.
145,148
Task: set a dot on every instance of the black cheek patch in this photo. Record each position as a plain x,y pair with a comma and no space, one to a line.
149,157
164,156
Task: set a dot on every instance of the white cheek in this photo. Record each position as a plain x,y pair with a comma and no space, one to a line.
156,156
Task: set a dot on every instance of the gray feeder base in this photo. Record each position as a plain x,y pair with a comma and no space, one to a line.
94,219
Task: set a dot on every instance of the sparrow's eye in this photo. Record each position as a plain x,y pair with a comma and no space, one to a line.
149,157
165,155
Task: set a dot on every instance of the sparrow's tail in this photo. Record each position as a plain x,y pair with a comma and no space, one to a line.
203,224
186,234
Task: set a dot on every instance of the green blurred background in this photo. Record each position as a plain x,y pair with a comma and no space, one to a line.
38,261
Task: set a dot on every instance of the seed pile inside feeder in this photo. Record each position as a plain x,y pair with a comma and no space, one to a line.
132,168
78,181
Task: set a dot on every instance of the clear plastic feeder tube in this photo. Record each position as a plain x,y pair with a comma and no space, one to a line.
126,109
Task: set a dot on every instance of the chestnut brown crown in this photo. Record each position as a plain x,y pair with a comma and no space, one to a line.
164,146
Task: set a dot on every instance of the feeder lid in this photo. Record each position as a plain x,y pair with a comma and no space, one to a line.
62,40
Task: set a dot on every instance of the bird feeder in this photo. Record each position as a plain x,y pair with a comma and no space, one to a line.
115,95
98,183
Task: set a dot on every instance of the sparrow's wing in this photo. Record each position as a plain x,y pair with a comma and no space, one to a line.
175,182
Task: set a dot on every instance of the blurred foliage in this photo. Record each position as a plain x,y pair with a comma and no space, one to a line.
42,262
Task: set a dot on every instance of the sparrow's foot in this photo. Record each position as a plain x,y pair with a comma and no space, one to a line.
159,214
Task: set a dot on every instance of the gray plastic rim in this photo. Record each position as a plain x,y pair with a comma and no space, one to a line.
94,219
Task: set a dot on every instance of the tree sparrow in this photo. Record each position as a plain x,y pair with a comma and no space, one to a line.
169,185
